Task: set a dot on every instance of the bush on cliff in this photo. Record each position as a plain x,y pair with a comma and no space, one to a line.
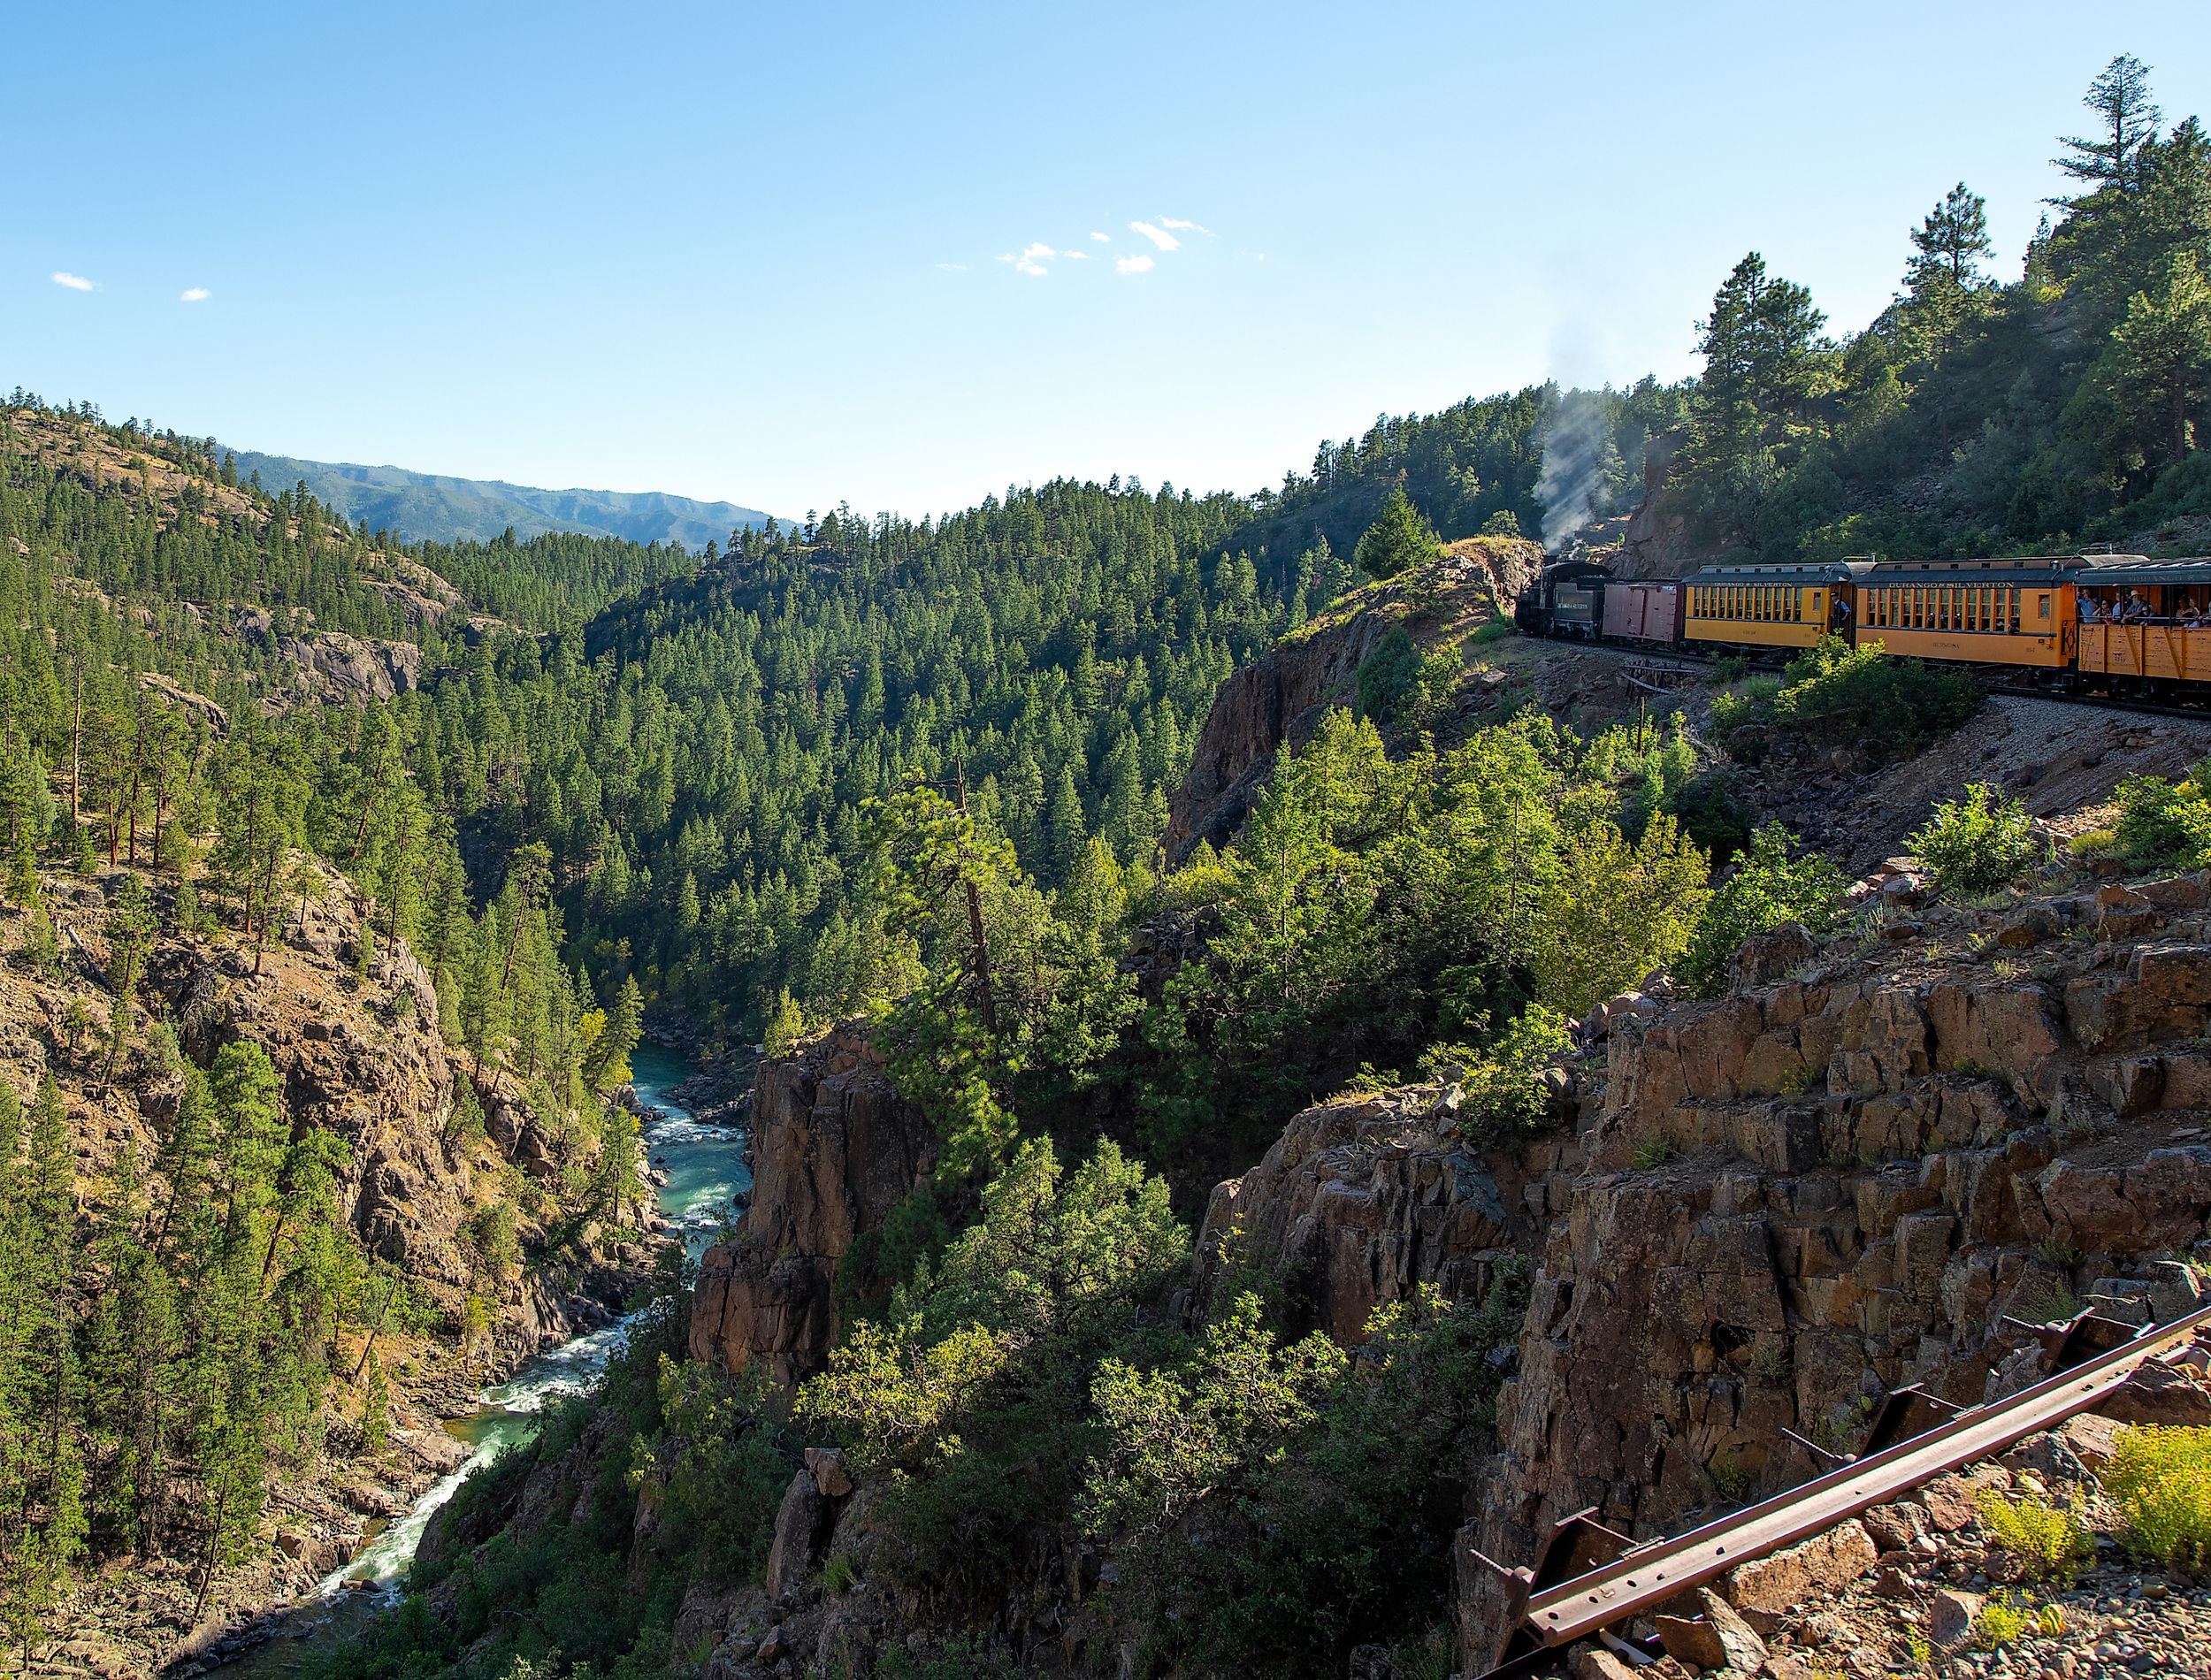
1835,694
2166,823
1976,843
1769,886
967,1392
1501,1083
1374,908
1278,1503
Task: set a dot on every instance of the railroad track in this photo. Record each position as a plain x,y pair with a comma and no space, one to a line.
1588,1579
1688,663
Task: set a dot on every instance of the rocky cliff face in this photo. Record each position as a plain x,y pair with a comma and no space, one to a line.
1282,698
1363,1199
1776,1205
835,1150
1841,1177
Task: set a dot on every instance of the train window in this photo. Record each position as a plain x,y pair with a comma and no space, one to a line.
2041,606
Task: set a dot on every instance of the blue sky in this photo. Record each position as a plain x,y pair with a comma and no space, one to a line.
776,255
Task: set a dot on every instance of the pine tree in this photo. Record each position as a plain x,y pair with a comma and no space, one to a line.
2158,365
2120,96
1398,538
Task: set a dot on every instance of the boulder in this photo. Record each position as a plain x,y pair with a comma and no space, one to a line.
1950,1617
1716,1638
1894,1527
1952,1502
2159,1393
800,1523
1596,1664
1771,956
2176,1290
1767,1589
830,1473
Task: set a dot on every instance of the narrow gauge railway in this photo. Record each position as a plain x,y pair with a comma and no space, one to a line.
2115,627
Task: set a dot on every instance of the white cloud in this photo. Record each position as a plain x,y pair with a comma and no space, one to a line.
1165,241
74,282
953,268
194,294
1030,259
1132,265
1169,221
1076,256
1102,239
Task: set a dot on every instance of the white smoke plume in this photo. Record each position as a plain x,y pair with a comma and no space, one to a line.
1576,449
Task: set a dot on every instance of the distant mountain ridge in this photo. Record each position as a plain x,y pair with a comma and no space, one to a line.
424,507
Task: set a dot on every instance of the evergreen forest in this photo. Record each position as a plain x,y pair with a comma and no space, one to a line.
917,774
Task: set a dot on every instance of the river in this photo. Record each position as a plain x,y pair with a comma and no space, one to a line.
703,1168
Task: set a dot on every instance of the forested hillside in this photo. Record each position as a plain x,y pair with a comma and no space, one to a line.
914,777
1978,414
243,1132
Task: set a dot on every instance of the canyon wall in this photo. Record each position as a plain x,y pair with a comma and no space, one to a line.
835,1150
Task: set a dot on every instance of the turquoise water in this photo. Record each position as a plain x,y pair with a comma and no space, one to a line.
704,1167
704,1164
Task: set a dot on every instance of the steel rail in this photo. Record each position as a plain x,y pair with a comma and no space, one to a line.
1650,1574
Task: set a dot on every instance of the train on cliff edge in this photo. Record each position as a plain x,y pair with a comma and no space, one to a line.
2111,622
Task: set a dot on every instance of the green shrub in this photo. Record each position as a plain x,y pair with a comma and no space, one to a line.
2046,1540
1999,1623
1275,1503
1651,1153
1978,843
1388,677
1835,692
2161,1479
1502,1081
2162,821
1769,886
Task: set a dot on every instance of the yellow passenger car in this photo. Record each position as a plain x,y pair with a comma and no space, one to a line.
1990,612
1769,606
2144,621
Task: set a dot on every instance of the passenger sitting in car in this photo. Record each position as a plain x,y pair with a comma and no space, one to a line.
2089,612
2188,615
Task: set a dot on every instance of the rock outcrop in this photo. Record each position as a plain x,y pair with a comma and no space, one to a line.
1842,1179
835,1150
1773,1206
331,664
1363,1199
1281,699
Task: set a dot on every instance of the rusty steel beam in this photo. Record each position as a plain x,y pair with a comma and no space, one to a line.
1650,1574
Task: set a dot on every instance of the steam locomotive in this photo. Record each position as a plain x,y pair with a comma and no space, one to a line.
2118,622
